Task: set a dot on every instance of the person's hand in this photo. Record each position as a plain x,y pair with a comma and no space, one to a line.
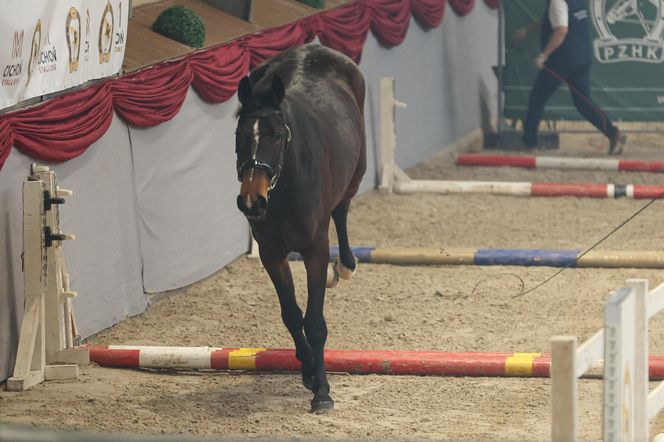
540,60
519,35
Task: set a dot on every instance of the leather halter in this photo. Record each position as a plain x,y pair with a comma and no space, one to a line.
273,173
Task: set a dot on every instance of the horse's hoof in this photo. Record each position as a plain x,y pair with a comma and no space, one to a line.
322,406
332,276
343,271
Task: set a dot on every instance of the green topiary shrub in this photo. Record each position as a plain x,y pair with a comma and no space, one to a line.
318,4
181,24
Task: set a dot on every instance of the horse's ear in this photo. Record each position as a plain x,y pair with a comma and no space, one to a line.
244,90
277,90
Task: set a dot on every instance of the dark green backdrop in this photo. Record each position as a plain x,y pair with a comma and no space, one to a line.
628,61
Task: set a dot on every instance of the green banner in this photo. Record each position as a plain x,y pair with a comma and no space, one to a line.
627,79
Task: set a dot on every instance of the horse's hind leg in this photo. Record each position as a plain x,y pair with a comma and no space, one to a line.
346,258
280,274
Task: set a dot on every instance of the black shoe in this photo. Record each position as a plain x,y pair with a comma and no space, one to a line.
617,143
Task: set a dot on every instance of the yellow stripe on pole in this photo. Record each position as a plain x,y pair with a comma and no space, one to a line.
243,358
520,364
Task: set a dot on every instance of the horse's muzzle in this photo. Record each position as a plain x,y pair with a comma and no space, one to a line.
252,200
255,211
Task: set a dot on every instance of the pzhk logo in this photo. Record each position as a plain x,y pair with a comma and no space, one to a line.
629,30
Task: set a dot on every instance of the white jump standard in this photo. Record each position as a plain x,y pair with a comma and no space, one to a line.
394,179
47,343
623,344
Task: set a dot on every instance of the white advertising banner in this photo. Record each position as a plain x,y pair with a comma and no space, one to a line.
50,45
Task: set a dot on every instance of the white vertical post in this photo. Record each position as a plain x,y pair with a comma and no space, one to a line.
253,246
563,389
641,378
55,320
67,309
44,330
387,134
31,353
59,315
619,356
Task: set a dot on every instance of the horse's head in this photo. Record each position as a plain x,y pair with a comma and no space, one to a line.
261,140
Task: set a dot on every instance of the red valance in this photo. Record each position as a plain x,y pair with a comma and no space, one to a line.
64,127
493,4
462,7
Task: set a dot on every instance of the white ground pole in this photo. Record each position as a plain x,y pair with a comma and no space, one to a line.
46,348
628,406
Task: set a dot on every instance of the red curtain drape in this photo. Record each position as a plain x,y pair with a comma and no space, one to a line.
428,13
462,7
64,127
493,4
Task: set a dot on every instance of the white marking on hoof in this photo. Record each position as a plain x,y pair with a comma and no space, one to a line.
343,271
332,276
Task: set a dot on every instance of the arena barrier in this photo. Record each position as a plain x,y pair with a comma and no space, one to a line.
533,162
628,405
513,257
47,347
393,362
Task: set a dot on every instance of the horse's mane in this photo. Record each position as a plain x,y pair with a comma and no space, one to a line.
298,67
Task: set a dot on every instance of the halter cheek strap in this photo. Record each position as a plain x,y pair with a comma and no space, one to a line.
273,173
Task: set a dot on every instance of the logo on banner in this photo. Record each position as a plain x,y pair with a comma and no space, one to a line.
11,74
34,50
629,30
48,57
106,34
73,27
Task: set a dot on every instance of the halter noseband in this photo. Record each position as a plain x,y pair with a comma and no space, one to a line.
253,163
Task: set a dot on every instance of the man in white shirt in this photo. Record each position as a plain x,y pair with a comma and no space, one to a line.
566,56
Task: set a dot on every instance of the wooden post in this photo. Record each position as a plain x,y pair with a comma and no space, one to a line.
563,389
619,370
47,328
389,171
641,379
31,353
59,313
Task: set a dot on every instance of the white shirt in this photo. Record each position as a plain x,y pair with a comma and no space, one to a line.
558,14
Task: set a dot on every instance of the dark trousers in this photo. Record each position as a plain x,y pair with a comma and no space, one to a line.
547,82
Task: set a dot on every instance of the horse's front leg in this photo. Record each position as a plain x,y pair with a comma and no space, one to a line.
316,261
280,274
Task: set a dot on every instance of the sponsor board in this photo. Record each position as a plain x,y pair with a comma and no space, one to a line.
51,45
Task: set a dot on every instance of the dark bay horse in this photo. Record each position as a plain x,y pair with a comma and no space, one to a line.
301,155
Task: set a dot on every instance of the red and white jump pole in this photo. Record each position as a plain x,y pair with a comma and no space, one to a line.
533,162
634,191
431,363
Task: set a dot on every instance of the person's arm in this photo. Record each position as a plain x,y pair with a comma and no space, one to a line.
554,43
558,17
